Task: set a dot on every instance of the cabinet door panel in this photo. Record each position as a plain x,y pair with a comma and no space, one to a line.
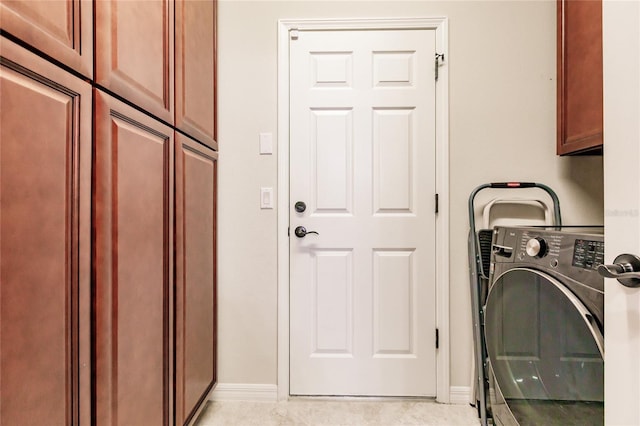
580,125
196,172
45,182
134,279
134,52
196,69
62,29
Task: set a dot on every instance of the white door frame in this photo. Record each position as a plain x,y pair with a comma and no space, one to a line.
439,24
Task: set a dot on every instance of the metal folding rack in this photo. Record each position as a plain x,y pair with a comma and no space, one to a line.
479,264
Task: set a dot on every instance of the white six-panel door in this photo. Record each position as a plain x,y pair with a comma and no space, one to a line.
362,159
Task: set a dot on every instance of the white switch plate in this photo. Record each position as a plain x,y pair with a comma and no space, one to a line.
266,144
266,198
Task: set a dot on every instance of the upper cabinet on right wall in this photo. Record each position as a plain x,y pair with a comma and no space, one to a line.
580,129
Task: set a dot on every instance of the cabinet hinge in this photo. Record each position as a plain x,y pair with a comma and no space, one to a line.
437,203
439,57
437,339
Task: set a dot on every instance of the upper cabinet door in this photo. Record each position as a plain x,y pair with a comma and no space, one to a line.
60,29
135,52
196,69
580,127
45,256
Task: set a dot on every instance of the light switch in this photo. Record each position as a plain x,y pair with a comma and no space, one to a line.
266,144
266,198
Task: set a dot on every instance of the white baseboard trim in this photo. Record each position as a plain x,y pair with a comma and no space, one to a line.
244,392
260,392
459,394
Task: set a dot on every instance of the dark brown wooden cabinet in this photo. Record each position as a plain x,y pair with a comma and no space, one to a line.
45,182
196,177
579,92
107,300
134,266
195,69
62,29
135,53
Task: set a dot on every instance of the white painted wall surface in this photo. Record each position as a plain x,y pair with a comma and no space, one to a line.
502,73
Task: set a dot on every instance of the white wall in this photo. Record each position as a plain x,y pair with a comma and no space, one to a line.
502,71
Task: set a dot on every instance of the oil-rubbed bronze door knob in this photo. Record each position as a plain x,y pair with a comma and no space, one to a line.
625,268
301,231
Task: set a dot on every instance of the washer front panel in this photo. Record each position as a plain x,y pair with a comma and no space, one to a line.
545,350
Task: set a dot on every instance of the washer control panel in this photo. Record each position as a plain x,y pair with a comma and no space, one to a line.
568,254
536,246
588,254
569,251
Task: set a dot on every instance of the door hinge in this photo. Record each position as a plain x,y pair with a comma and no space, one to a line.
437,203
437,339
439,57
288,231
293,33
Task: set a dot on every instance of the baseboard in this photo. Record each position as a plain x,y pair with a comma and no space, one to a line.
459,394
244,392
259,392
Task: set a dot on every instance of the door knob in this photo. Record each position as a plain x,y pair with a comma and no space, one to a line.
625,268
301,231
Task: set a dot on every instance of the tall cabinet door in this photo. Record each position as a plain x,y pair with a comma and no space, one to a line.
196,69
45,211
135,52
61,29
133,215
196,178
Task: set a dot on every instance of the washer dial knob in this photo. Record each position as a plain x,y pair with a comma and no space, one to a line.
536,247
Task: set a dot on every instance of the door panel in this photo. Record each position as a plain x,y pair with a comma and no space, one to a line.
135,52
333,304
362,159
196,174
332,146
196,69
60,29
134,280
393,172
394,310
45,177
621,49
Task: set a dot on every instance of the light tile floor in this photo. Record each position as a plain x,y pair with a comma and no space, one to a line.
322,412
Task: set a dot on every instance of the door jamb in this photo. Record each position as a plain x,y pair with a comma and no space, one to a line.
440,25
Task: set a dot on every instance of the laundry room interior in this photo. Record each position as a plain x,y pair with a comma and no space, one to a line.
502,126
196,125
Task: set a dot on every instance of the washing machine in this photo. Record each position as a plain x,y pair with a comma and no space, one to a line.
544,326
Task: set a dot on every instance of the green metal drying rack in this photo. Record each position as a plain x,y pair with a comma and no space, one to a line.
479,263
